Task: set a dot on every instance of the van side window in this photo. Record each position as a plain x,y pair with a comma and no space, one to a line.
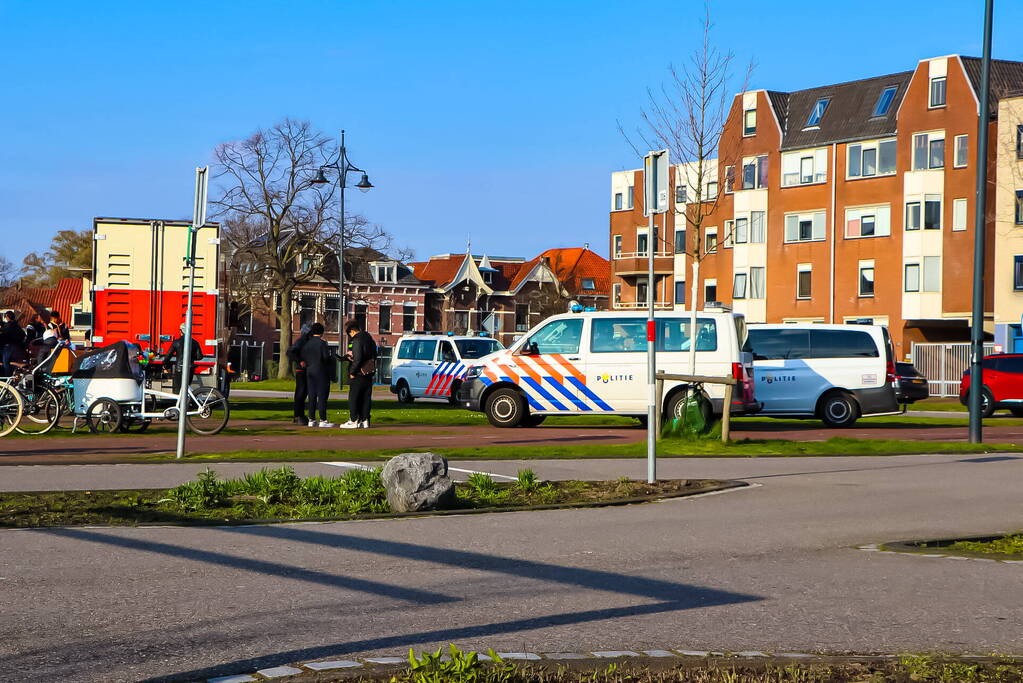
425,349
447,352
842,344
618,335
673,334
559,336
992,364
777,344
407,350
1011,364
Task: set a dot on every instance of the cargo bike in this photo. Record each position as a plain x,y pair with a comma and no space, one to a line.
112,391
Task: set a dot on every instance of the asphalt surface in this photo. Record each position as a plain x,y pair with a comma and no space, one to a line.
770,568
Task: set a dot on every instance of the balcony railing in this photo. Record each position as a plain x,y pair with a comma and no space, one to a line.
640,305
642,254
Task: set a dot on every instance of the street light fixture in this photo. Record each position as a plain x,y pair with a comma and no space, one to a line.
342,166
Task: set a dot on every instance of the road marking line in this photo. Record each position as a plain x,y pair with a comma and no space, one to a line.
489,474
339,463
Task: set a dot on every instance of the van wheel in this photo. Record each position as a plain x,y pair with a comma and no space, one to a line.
453,396
674,406
505,408
404,393
839,409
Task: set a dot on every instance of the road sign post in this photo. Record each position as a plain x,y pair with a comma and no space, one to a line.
185,362
655,200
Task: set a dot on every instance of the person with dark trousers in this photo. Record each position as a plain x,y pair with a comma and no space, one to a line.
294,354
363,357
176,356
12,342
317,358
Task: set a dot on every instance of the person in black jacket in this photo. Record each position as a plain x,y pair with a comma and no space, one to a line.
35,328
301,386
175,356
317,359
363,357
12,342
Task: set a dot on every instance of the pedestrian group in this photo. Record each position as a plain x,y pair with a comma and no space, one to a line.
21,346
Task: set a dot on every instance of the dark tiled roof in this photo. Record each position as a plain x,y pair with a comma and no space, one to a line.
1006,78
357,260
849,112
780,104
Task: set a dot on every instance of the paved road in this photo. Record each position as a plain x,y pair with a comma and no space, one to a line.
770,568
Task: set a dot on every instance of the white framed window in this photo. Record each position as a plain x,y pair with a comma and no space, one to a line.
710,240
710,290
884,100
619,199
804,167
757,282
937,98
817,113
749,123
681,194
384,272
712,191
680,240
616,293
589,283
870,159
931,274
757,227
962,151
932,212
804,280
754,172
618,246
868,221
680,292
866,278
911,277
928,151
805,227
912,215
628,197
959,214
741,230
739,286
728,238
642,242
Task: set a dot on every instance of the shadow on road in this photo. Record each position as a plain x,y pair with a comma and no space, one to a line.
669,596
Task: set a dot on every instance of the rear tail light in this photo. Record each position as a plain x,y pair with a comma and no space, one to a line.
890,370
739,375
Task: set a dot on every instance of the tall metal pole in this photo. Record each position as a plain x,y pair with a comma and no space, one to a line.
185,362
979,226
651,325
341,178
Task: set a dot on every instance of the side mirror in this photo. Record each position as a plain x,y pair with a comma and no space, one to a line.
529,349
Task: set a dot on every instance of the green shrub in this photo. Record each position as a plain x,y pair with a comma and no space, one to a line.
526,481
203,494
482,485
461,667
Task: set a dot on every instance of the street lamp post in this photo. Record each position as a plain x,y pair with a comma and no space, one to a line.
343,165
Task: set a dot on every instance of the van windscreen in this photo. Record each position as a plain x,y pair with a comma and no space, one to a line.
476,348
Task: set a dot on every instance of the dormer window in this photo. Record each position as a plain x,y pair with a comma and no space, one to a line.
937,92
384,271
817,113
488,277
589,283
884,101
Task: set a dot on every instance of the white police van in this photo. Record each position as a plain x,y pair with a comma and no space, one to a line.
596,363
433,365
836,373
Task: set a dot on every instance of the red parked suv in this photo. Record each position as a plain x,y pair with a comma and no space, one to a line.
1003,384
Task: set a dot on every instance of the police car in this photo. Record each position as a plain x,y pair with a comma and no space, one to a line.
433,365
596,363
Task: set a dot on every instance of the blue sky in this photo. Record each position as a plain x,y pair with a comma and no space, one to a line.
495,119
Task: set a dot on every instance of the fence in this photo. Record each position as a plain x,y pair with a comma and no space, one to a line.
943,365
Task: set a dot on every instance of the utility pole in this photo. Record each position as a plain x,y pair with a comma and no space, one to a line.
198,220
979,228
655,183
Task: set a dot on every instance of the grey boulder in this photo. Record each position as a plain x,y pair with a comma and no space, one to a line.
417,481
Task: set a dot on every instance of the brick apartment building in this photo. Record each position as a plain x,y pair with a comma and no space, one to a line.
506,296
847,202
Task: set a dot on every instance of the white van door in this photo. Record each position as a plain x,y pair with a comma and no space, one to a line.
424,364
444,369
715,350
785,380
849,358
548,368
615,363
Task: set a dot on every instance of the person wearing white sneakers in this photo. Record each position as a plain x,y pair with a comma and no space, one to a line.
316,357
363,357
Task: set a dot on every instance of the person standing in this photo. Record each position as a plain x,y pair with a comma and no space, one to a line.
363,357
175,357
12,342
317,358
35,328
58,326
294,354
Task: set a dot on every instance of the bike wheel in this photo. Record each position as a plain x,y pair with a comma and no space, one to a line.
12,406
208,411
103,416
41,414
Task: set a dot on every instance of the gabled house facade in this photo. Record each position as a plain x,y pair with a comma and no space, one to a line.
506,296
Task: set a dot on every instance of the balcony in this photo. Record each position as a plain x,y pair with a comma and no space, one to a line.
637,263
641,305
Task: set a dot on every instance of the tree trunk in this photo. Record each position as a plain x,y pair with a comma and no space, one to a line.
284,316
692,317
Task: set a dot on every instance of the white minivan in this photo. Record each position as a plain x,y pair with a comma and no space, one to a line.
837,373
596,363
433,365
